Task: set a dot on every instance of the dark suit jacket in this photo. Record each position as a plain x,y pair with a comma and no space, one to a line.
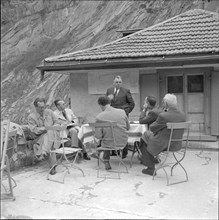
158,139
150,118
123,100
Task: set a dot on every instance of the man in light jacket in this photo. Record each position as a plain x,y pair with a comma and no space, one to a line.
37,121
67,117
113,115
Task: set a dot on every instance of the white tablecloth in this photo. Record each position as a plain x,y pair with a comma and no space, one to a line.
136,130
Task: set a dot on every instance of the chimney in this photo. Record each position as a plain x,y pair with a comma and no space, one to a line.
201,4
127,32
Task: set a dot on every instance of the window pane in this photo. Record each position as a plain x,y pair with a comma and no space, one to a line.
195,83
175,84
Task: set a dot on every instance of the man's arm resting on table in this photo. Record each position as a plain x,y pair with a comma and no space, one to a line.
147,119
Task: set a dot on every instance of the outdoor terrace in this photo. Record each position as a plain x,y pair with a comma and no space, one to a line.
134,196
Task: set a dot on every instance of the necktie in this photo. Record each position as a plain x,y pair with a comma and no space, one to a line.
64,114
116,91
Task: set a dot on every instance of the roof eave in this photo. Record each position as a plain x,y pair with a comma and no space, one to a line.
130,63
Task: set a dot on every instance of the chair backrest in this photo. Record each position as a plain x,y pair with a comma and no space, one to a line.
104,131
57,135
4,140
5,135
174,127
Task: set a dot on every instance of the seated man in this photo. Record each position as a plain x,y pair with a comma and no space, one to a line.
156,140
116,115
148,115
37,121
150,111
67,116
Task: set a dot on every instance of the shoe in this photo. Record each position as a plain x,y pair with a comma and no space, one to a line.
124,156
86,156
107,165
125,152
53,171
148,171
94,155
156,160
113,153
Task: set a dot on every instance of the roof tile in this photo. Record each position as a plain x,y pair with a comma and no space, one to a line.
195,31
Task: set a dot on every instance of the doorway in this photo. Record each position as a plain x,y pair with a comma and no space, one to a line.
190,87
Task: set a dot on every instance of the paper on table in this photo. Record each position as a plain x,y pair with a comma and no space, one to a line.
71,125
134,122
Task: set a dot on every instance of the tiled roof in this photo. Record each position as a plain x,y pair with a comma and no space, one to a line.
193,32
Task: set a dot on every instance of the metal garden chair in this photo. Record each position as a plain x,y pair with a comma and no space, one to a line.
64,153
103,126
173,159
5,164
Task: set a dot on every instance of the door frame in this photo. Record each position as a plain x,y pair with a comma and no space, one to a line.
163,73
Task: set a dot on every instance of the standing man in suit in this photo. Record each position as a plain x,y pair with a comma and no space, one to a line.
67,116
121,98
112,114
156,140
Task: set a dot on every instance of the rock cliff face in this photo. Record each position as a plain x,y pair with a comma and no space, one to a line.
32,30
